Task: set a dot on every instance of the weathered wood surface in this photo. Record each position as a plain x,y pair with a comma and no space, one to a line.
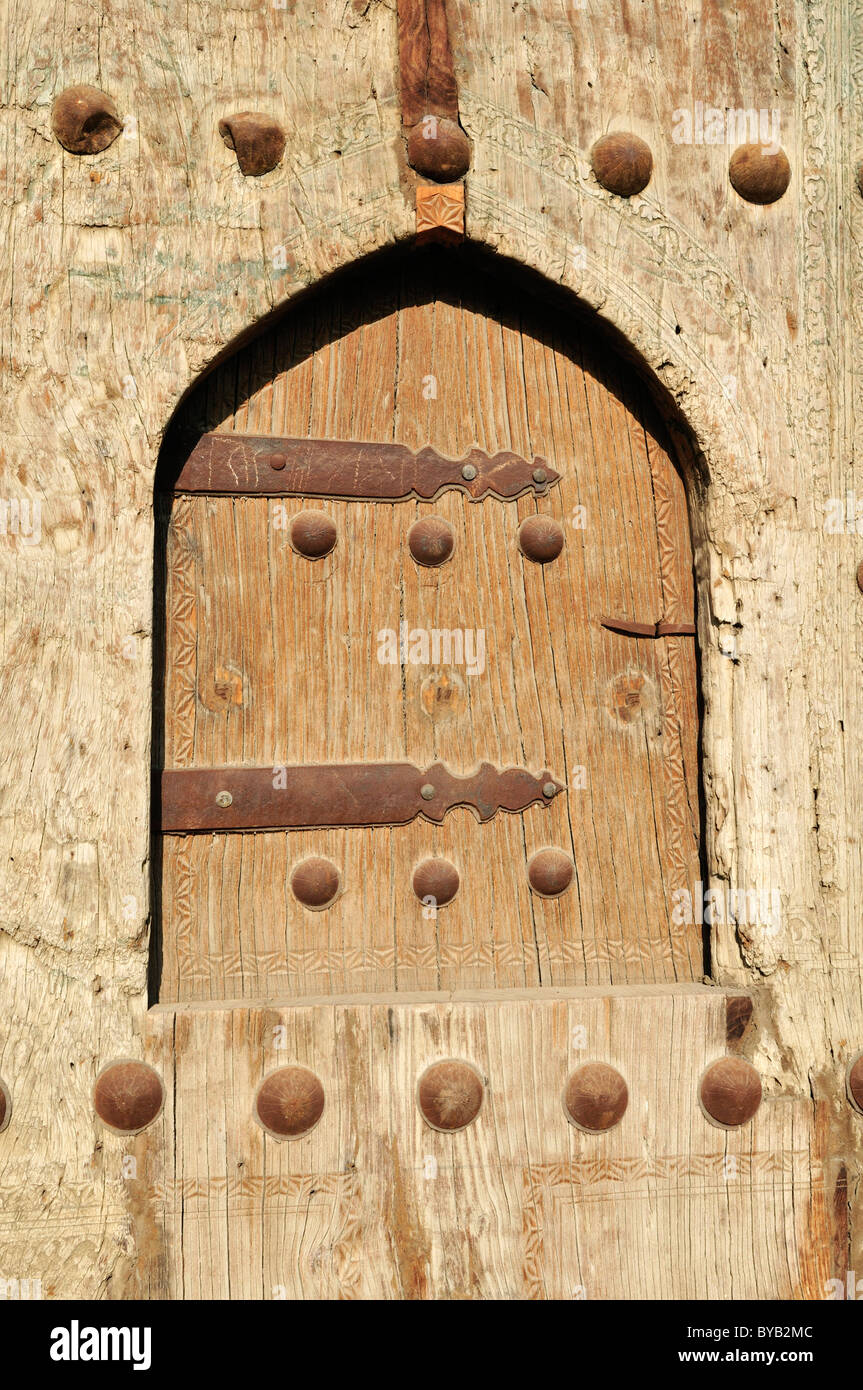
374,1204
125,275
427,79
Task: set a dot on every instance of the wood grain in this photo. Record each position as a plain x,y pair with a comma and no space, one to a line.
520,1205
428,83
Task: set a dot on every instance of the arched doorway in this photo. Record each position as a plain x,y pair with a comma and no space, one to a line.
321,678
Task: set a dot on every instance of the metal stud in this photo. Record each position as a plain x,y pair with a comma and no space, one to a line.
758,175
315,883
5,1105
540,539
450,1095
427,791
313,535
468,472
277,461
622,163
595,1097
85,120
224,799
730,1092
437,879
855,1084
289,1102
257,140
439,149
550,789
128,1096
540,475
550,872
431,541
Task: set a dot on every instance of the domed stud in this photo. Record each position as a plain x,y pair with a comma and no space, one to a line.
550,872
855,1084
128,1096
622,163
257,140
85,120
431,541
439,149
759,175
289,1102
315,883
313,534
437,879
730,1092
5,1105
449,1095
540,538
595,1097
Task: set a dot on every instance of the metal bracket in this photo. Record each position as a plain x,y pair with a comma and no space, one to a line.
267,466
332,795
660,629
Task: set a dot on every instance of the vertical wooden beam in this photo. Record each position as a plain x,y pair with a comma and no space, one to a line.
428,84
437,147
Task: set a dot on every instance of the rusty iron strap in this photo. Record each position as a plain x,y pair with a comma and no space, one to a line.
660,629
229,464
333,795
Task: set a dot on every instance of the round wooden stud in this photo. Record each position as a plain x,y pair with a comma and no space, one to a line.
85,120
450,1094
289,1102
5,1105
257,140
437,879
439,149
759,175
431,540
540,539
855,1083
622,163
550,872
313,535
128,1096
730,1092
595,1097
315,883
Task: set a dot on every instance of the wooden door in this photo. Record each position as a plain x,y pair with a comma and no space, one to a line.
274,659
276,662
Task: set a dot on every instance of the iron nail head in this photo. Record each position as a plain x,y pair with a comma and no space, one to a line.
223,798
